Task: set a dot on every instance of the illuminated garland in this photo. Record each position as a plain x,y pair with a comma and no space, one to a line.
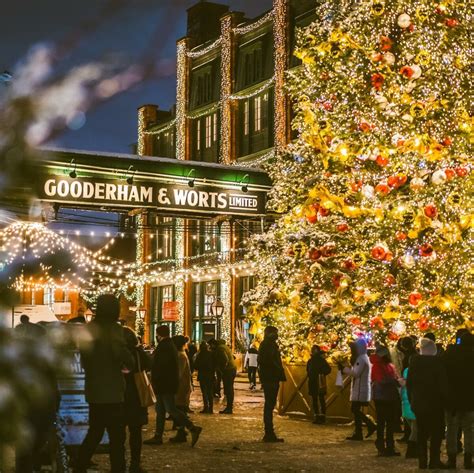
226,89
141,132
179,285
160,130
241,96
239,30
202,52
207,111
181,99
256,163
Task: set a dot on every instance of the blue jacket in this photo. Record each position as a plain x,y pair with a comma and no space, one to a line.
407,412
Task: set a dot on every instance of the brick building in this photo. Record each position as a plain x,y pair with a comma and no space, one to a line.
231,108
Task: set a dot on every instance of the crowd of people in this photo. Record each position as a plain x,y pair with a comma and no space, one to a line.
416,387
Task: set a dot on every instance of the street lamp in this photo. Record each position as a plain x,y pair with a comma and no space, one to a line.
88,314
217,311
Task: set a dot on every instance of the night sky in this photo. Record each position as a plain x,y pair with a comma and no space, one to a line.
129,31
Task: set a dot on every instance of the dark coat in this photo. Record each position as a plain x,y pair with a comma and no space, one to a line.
135,414
269,361
223,357
103,358
317,367
426,383
204,364
165,370
459,362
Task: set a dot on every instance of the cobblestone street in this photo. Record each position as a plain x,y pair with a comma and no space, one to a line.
233,444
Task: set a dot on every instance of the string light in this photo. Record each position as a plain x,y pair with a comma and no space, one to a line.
240,30
265,86
202,52
181,99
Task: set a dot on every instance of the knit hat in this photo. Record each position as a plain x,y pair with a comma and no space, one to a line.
427,347
163,331
381,351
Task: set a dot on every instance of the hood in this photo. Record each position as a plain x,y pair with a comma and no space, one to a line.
361,346
427,347
220,342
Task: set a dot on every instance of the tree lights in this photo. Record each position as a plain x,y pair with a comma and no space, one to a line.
376,194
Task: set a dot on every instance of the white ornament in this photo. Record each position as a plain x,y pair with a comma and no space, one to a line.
407,118
396,138
399,327
416,72
404,20
408,261
381,100
416,184
368,192
389,59
439,177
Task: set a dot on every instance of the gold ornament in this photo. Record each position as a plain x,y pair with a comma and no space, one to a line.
359,258
409,216
423,58
418,110
378,8
454,198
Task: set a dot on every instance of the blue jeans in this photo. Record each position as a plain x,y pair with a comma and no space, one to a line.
165,404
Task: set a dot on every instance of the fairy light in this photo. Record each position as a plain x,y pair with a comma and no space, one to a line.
265,86
241,30
226,88
203,51
181,99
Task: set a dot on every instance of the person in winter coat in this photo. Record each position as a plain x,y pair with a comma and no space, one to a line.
317,369
427,392
251,364
165,380
104,358
271,374
359,371
225,364
185,385
409,418
135,415
387,400
204,365
459,361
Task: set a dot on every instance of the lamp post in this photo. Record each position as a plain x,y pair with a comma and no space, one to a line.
88,314
217,311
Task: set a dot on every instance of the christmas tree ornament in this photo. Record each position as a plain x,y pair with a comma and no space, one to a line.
389,59
404,20
417,184
439,177
399,327
431,211
378,8
415,298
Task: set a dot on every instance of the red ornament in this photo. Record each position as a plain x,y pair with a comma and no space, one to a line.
381,160
376,323
356,186
426,250
364,127
431,211
314,254
382,189
349,265
385,43
415,298
423,324
411,28
400,236
388,256
447,141
355,321
461,171
377,81
327,105
450,173
336,280
312,218
328,250
342,227
389,280
324,212
393,336
451,22
407,71
378,253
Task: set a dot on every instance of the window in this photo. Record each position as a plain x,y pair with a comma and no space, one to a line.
205,326
198,135
48,296
208,131
246,117
162,241
257,114
215,128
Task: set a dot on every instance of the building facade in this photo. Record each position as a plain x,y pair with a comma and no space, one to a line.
231,108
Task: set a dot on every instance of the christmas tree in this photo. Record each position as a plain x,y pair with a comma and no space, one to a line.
375,195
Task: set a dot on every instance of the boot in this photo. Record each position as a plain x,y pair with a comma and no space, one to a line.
156,440
468,461
371,428
422,457
355,436
451,461
411,450
136,468
195,433
180,436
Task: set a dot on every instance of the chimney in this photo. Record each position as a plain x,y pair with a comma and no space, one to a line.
204,21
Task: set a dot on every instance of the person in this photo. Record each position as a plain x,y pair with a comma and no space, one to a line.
225,364
26,329
135,415
183,396
103,359
191,351
360,396
409,419
317,369
251,364
460,404
165,382
386,398
217,374
271,374
204,365
427,391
